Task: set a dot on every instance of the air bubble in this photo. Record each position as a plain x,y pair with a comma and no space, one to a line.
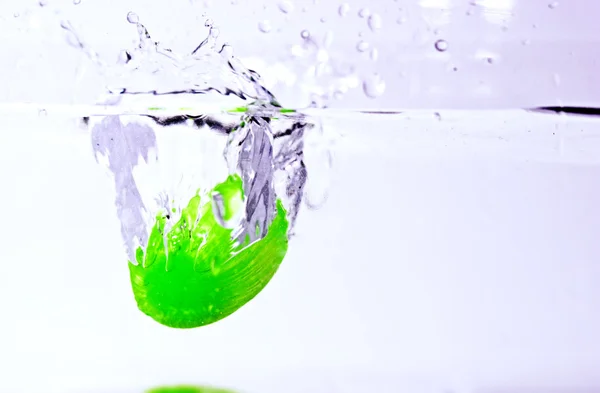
286,6
374,22
343,10
305,34
264,26
362,46
441,45
133,18
373,86
364,12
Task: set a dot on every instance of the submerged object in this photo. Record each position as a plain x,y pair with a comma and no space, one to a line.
199,275
188,389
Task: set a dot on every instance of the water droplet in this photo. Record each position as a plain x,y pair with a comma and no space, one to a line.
323,20
328,40
401,20
373,86
553,5
374,22
264,26
437,116
76,2
16,14
364,12
305,34
362,46
42,112
525,42
490,60
441,45
133,18
343,10
43,3
556,78
286,6
208,23
374,55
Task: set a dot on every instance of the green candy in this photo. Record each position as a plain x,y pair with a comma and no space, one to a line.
188,389
196,274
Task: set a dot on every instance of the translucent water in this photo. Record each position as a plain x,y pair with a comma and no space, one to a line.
416,274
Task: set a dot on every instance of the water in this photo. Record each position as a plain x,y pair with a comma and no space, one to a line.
426,247
429,251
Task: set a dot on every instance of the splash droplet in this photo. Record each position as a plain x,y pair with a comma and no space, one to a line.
133,18
264,26
343,10
373,86
328,40
362,46
441,45
286,6
553,5
556,78
364,12
374,55
437,116
374,22
305,34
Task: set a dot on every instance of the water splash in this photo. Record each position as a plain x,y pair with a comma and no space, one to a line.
152,69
